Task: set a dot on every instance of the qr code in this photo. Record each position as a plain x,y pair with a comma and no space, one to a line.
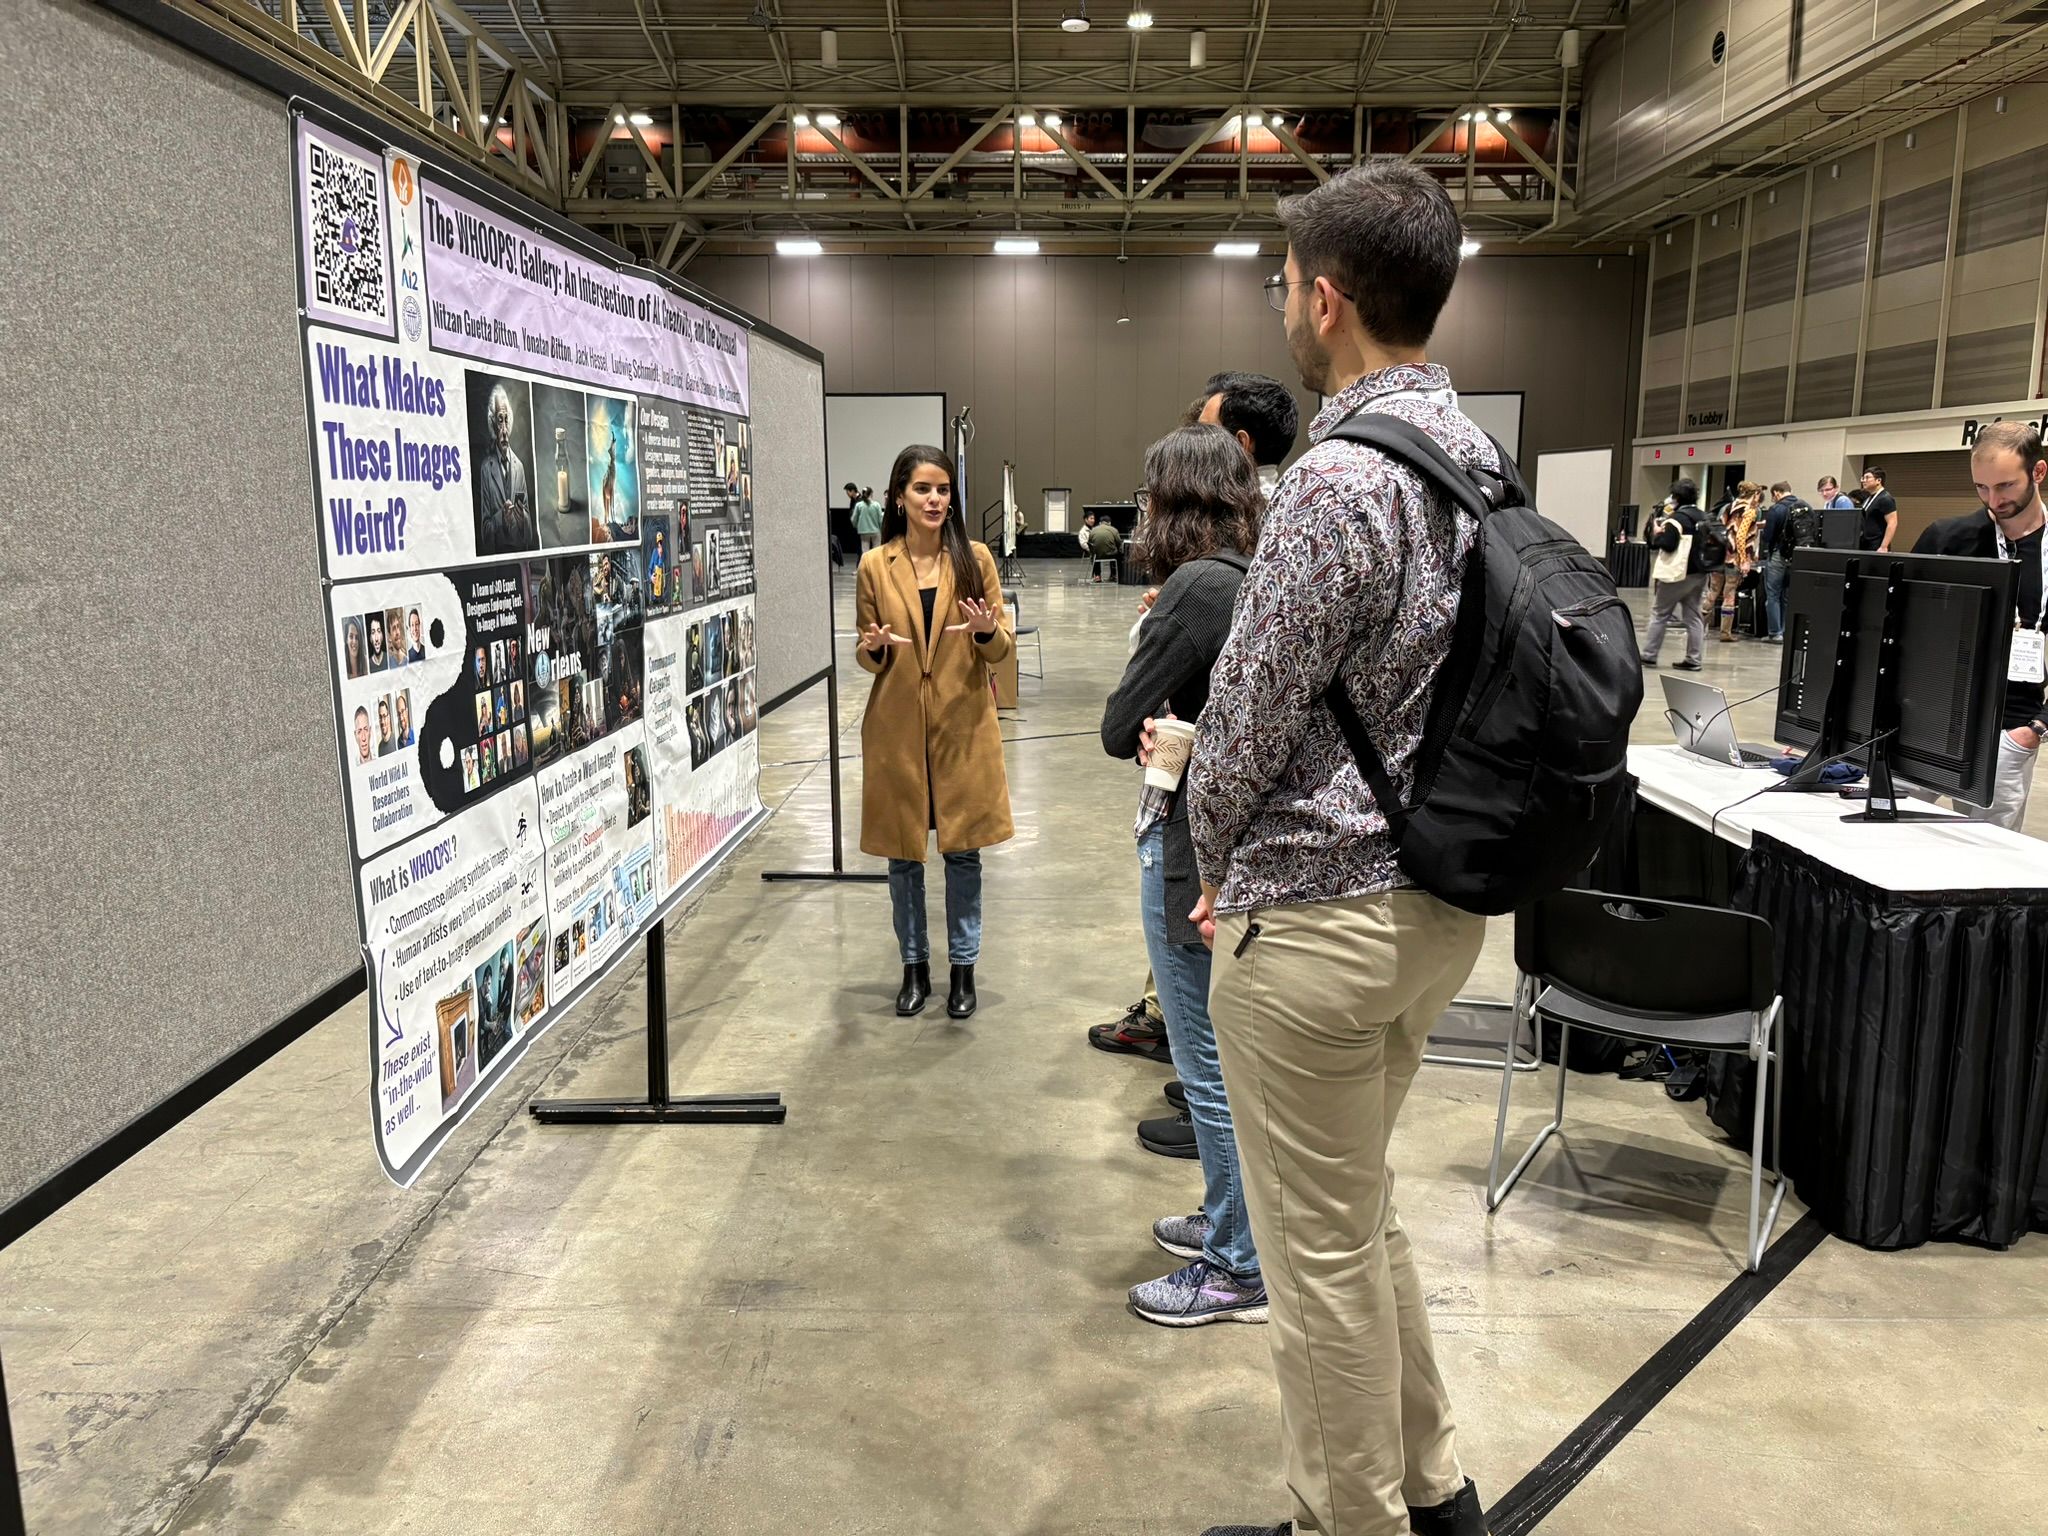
347,234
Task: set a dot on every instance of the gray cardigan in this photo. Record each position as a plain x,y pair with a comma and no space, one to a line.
1177,648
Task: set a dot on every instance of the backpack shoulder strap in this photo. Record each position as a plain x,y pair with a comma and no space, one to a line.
1477,491
1371,766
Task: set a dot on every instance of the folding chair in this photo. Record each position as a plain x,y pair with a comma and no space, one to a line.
1026,632
1099,561
1688,977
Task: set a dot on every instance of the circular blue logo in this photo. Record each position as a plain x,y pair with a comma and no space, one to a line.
412,318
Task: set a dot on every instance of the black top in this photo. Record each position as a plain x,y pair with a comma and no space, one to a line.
1683,520
1975,536
1177,649
1875,511
929,596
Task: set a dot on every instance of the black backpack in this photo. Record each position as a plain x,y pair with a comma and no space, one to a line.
1524,753
1801,530
1710,543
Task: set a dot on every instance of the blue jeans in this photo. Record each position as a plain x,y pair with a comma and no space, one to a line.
1182,973
963,907
1776,569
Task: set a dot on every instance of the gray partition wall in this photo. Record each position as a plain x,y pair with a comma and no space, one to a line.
176,873
176,878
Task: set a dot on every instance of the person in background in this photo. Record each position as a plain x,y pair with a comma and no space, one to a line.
1831,497
867,519
1783,526
1738,520
2008,467
1329,969
1087,529
932,749
1201,520
1260,413
1104,543
1880,513
834,517
1679,599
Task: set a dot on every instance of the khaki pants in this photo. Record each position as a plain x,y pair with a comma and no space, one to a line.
1321,1022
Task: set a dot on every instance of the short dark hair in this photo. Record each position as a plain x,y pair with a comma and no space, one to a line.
1684,493
1205,495
1874,472
1385,235
2018,437
849,486
1781,487
1263,408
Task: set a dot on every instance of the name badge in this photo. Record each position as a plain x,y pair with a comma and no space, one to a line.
2029,662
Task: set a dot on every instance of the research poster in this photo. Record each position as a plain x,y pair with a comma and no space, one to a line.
533,474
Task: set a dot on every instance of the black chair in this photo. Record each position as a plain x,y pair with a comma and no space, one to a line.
1689,977
1025,632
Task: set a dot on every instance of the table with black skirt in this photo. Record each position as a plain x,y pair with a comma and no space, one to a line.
1913,964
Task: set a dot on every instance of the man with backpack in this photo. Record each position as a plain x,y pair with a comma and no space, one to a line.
1331,965
1688,546
1789,525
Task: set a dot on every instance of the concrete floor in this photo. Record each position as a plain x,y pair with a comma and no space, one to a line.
903,1311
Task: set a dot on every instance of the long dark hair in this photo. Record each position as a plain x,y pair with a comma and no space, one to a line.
953,536
1205,497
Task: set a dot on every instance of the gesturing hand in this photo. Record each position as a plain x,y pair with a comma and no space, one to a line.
878,636
981,617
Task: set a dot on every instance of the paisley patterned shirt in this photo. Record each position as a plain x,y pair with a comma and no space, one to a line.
1357,571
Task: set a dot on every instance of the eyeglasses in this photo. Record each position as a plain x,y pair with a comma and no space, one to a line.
1277,285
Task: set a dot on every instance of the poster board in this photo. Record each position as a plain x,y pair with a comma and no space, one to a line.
532,473
1573,490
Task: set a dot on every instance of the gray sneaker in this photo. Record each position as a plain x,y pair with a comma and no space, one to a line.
1182,1236
1200,1293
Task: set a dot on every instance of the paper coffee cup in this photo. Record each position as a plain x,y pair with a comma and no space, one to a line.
1173,742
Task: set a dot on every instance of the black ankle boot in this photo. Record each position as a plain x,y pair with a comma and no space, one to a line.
917,986
1460,1516
960,1001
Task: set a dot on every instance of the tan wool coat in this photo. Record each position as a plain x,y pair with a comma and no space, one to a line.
929,740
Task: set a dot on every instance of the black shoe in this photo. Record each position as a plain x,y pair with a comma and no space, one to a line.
1461,1516
1649,661
1170,1137
1177,1096
1135,1034
917,986
1685,666
960,1000
1284,1528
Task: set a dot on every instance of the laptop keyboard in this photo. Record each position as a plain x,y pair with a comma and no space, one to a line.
1754,759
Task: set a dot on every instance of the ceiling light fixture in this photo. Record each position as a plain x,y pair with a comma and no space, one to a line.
1255,120
799,248
642,120
802,119
828,48
1237,247
1027,120
1019,246
1501,115
1468,247
1052,121
1139,20
828,120
1075,17
1123,305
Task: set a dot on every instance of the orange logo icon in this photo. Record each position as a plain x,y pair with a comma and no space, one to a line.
401,181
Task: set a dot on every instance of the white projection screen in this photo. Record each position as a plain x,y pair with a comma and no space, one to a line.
1500,415
864,433
1572,490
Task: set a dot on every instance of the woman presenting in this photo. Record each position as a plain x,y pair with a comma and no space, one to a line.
932,624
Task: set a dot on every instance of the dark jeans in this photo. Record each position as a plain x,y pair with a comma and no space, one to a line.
1776,569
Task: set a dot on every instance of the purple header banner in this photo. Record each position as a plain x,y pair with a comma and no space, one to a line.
499,291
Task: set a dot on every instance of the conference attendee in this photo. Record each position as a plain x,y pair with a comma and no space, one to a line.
1104,543
1831,497
503,521
932,625
352,648
362,734
836,517
2008,468
867,520
1679,598
1087,530
1784,522
405,736
1328,969
1201,521
415,638
1880,513
1260,413
386,744
1724,579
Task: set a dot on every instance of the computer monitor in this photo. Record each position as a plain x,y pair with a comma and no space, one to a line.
1839,527
1906,653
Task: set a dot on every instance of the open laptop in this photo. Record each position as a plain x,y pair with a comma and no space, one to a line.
1702,723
